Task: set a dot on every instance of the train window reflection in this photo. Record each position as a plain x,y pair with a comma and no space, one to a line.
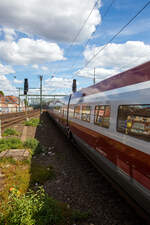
71,111
102,115
77,112
86,113
134,120
64,111
57,109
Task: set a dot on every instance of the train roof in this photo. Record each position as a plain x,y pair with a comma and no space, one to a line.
132,76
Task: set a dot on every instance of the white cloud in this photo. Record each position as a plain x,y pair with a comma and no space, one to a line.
58,82
35,66
114,58
125,55
44,68
54,19
6,69
100,73
10,34
28,51
18,81
5,84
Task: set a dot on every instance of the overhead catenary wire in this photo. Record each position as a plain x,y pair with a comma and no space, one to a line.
83,25
110,41
81,28
103,18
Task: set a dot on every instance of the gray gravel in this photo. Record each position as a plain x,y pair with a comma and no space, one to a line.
79,184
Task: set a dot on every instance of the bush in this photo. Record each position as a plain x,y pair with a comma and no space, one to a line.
10,132
41,173
34,122
35,208
10,143
34,145
31,143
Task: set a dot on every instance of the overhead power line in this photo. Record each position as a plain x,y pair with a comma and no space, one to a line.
107,10
118,32
83,25
103,18
81,28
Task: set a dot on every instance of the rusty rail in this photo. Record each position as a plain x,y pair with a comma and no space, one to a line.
15,118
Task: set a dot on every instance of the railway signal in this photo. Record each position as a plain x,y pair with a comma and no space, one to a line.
25,93
74,86
25,86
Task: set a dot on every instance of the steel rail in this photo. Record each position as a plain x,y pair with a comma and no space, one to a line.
6,123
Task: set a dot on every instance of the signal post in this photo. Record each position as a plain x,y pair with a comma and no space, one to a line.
25,93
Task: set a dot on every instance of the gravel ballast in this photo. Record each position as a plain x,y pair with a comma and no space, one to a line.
78,183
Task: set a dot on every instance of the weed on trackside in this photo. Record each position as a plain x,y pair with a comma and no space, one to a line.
17,173
10,143
10,132
22,206
41,173
37,208
16,143
34,122
34,145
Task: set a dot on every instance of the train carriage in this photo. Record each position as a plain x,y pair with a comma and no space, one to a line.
111,123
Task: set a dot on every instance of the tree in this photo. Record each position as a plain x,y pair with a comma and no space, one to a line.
2,93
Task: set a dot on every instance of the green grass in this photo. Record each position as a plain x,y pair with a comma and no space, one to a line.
10,143
16,143
17,173
8,160
10,132
34,122
37,208
21,206
41,173
34,145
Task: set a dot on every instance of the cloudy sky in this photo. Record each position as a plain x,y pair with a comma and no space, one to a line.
57,39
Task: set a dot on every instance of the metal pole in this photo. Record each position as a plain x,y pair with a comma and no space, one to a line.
41,77
0,129
19,99
26,107
94,76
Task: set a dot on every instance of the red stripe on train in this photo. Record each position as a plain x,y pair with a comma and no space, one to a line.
133,162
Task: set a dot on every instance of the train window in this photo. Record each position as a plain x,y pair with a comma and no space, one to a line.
57,109
64,108
77,112
71,111
61,111
86,112
102,115
134,120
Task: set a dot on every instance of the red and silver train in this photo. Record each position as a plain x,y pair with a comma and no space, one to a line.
111,123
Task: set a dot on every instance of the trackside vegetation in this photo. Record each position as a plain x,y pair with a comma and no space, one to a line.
16,143
23,199
10,132
34,122
10,143
36,207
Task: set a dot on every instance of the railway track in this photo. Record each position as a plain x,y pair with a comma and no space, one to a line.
10,119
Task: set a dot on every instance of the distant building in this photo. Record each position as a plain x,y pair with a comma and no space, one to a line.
10,104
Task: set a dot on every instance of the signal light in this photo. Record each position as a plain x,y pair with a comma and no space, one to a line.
74,86
25,86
